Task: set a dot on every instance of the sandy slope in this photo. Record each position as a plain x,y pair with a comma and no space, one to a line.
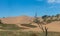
54,26
16,20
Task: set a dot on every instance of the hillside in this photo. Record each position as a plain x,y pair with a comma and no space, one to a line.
25,22
16,20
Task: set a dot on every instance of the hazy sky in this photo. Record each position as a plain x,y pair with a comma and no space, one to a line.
29,7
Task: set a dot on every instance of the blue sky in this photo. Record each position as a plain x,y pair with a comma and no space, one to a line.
10,8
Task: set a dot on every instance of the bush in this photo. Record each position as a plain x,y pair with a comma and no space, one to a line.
49,21
36,21
1,22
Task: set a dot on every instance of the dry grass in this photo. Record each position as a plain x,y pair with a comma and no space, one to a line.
30,33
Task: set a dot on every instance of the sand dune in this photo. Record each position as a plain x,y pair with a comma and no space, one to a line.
16,20
23,20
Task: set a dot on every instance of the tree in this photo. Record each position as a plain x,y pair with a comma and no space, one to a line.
58,15
45,17
51,18
38,22
44,29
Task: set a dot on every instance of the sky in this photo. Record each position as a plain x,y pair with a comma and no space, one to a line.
10,8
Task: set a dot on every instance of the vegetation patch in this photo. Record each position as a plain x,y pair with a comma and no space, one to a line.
30,33
9,27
